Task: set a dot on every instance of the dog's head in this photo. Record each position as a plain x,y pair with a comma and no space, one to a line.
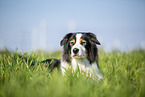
80,45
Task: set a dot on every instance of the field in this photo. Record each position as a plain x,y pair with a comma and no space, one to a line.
124,76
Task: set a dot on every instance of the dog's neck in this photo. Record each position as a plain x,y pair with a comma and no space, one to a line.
82,63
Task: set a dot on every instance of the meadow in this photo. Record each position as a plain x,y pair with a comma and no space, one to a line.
123,72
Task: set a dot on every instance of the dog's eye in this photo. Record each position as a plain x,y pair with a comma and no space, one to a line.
83,42
72,42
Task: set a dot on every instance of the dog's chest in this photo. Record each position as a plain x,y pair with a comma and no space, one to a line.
83,64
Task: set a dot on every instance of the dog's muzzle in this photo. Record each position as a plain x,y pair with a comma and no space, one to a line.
77,53
75,50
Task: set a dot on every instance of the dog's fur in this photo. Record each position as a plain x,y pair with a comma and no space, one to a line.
80,50
50,63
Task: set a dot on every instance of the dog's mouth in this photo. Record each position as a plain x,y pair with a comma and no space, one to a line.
78,56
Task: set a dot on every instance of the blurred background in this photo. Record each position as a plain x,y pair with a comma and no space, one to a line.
30,25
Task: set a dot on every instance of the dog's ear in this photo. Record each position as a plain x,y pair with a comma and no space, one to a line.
93,38
65,39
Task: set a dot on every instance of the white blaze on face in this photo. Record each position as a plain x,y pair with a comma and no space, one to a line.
81,53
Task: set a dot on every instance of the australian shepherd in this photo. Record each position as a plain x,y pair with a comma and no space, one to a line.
80,50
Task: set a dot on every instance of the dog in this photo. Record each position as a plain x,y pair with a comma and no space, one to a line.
80,50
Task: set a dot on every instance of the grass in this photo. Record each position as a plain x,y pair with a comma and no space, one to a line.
124,76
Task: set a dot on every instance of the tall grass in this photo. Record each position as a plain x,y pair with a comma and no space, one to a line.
124,76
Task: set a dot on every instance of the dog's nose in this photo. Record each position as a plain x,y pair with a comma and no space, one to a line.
75,50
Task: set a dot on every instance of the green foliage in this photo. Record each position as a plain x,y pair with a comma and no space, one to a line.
124,76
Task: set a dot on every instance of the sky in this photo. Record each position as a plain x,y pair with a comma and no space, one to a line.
28,25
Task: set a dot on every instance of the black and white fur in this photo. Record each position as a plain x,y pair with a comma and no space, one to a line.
80,50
